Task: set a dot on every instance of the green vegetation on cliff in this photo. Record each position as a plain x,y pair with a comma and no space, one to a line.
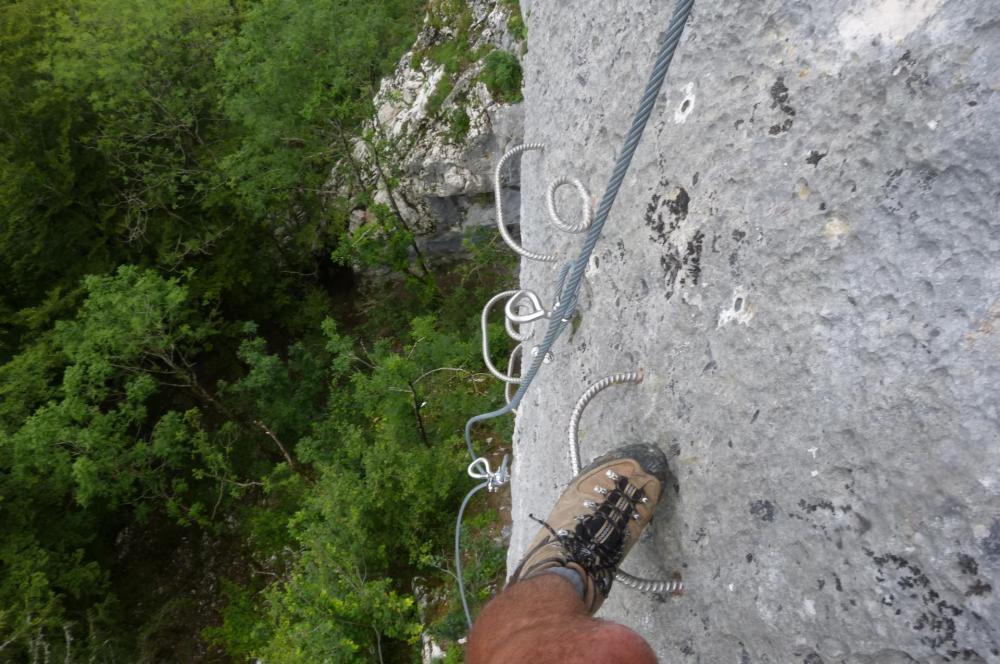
217,442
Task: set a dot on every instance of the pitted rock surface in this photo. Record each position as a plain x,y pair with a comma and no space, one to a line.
805,259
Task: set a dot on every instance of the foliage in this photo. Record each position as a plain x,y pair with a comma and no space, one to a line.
515,22
102,443
299,79
453,18
47,206
153,87
442,89
483,571
458,125
390,456
188,364
502,76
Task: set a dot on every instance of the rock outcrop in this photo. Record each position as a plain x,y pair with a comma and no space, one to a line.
442,130
805,259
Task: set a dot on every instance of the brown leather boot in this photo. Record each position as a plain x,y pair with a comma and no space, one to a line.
598,519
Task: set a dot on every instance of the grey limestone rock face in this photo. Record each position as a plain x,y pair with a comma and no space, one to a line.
444,185
805,260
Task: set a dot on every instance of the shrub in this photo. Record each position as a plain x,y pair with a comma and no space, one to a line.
502,76
441,91
458,125
515,22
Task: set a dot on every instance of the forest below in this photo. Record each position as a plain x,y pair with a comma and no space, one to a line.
221,437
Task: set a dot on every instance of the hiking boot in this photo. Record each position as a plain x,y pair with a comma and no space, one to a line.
597,520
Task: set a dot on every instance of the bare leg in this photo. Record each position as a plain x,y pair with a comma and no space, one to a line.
543,620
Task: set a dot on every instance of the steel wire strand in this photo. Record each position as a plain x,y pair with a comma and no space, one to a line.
458,549
639,583
568,296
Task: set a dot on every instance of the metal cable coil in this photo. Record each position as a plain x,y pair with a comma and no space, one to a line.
498,196
672,587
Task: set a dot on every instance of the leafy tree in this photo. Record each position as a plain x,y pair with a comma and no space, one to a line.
161,185
48,211
299,80
105,441
147,74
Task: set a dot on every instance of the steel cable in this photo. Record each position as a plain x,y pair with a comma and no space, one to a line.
567,297
571,275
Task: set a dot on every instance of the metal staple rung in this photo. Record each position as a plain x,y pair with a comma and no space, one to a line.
663,586
634,377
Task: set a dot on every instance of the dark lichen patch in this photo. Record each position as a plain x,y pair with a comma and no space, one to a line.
692,259
978,589
814,157
763,510
681,262
779,96
968,564
916,78
678,203
781,128
818,505
664,213
907,587
864,524
779,100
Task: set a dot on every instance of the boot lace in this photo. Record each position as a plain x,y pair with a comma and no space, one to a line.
597,542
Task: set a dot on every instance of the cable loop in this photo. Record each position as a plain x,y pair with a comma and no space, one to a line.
485,332
633,377
480,470
517,352
587,213
525,295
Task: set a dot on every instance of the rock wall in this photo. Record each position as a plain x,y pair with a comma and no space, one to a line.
805,259
444,177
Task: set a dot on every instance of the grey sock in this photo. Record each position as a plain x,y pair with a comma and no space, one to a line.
570,575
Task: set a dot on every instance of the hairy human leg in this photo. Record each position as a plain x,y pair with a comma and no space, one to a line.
544,619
